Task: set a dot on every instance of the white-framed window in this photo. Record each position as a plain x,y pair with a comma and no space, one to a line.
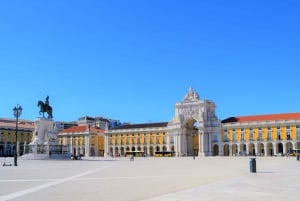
233,136
298,131
110,140
9,137
269,134
288,132
215,138
164,139
225,138
278,133
259,134
172,139
151,138
242,134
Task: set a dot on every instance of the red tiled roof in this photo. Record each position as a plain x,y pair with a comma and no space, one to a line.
21,125
266,117
81,129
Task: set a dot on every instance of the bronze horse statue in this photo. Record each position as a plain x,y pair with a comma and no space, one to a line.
45,108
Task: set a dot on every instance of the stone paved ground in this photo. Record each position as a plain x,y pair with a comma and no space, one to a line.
151,179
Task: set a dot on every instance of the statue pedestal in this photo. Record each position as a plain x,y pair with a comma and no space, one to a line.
44,142
43,127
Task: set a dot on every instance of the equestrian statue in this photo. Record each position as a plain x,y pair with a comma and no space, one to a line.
45,107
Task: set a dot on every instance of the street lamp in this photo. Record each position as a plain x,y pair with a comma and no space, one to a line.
17,113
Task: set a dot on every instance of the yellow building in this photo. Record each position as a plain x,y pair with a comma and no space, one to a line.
190,132
262,135
83,140
7,136
138,139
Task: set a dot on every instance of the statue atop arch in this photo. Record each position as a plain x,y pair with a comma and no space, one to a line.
191,95
45,107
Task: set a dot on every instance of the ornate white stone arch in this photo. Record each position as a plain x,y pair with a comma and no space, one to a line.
188,112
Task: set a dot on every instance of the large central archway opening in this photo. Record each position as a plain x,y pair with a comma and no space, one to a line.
190,135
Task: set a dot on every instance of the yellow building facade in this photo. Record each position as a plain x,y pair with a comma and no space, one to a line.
137,139
261,135
83,140
7,137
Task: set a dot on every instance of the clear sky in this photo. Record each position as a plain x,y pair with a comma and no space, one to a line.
132,60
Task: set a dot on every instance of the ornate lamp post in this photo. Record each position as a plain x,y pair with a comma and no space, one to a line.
17,113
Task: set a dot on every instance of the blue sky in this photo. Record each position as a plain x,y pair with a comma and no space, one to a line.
133,60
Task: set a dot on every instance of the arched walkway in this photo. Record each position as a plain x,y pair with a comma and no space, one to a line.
243,150
122,151
226,149
151,151
270,149
288,147
1,150
172,148
297,145
279,148
234,150
215,150
251,149
157,148
111,152
116,151
260,149
190,129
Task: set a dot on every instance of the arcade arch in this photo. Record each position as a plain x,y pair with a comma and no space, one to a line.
260,149
270,149
215,150
226,149
189,131
251,149
234,150
279,148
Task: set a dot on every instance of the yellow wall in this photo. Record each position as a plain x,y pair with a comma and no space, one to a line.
264,131
293,132
132,138
100,142
196,142
238,134
26,136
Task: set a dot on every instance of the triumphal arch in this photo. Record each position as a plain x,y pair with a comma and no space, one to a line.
195,128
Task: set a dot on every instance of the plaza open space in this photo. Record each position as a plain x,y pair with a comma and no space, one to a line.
167,179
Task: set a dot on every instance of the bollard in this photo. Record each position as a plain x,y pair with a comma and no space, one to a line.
298,156
252,165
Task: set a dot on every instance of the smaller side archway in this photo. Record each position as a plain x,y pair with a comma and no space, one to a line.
226,149
270,149
289,147
151,151
251,149
234,149
279,148
260,149
215,150
122,151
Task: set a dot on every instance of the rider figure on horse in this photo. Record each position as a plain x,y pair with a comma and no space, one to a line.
47,101
45,107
